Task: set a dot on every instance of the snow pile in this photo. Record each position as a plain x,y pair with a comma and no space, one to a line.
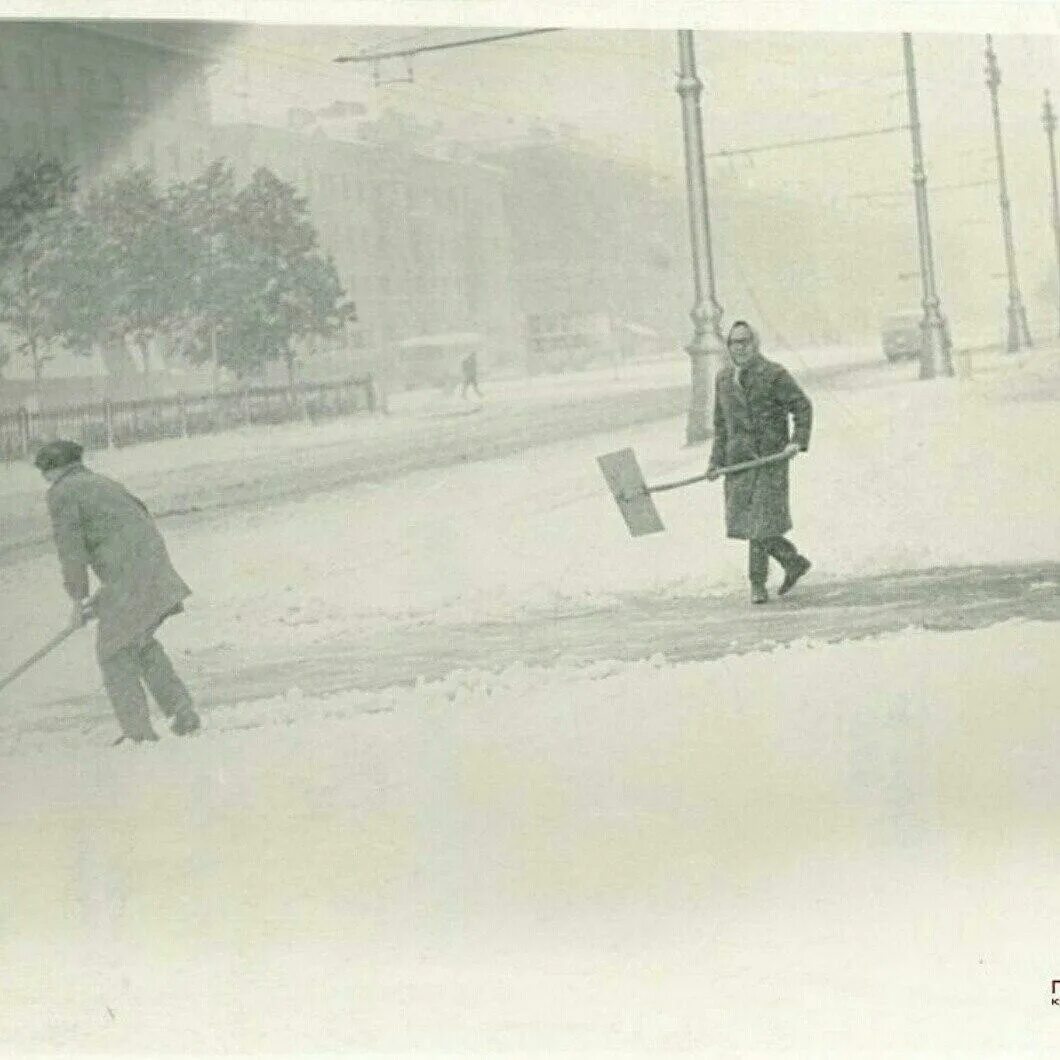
795,849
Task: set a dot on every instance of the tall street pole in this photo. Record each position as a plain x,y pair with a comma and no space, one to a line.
1049,121
935,342
706,311
1018,332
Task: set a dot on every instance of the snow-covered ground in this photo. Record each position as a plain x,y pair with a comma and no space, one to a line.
819,850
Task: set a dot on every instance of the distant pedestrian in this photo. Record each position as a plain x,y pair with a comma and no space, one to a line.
753,401
99,525
469,370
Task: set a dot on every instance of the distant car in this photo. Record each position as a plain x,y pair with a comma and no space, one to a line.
901,337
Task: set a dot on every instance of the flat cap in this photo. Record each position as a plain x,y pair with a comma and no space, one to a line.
57,454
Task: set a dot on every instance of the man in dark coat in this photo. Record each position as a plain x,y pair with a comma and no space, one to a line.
753,401
98,524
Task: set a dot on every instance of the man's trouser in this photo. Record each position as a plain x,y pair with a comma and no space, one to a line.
759,551
126,672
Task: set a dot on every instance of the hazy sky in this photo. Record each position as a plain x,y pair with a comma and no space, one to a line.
616,87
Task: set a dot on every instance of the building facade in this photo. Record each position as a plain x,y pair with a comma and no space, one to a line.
100,96
420,242
600,249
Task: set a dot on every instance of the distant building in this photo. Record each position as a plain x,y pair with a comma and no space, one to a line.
103,95
598,244
420,242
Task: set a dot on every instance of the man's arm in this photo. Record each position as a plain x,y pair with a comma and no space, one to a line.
70,543
798,406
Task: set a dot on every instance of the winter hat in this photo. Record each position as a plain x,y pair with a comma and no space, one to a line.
742,324
52,455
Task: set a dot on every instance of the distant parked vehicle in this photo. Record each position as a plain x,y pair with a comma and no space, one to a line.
901,337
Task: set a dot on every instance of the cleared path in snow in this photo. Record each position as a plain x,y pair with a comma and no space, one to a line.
681,629
643,625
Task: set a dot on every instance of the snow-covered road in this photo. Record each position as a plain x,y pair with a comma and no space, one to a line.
901,477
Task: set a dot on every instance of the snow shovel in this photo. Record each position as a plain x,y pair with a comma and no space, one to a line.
633,495
36,657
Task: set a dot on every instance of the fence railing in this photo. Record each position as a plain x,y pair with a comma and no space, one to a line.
109,424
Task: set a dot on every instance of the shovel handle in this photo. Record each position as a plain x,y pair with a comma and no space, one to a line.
36,657
732,469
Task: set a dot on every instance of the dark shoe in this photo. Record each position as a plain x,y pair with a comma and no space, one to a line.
185,722
759,594
793,574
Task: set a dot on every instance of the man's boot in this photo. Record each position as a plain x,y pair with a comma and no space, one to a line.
759,594
185,722
799,566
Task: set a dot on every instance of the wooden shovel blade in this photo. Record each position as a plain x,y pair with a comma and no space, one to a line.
624,479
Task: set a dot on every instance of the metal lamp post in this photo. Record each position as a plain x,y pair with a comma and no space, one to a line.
1049,121
1018,332
935,357
706,311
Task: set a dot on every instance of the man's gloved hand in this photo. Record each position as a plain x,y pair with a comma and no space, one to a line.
713,474
792,449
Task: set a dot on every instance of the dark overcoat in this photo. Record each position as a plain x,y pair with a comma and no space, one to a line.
99,524
751,419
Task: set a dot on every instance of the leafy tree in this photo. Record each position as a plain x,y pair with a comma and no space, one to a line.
291,291
205,207
127,263
39,189
142,252
79,285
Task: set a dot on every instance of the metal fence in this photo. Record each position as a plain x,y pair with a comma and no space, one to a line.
109,424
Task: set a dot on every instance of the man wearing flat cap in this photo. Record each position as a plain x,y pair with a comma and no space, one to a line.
759,410
99,525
